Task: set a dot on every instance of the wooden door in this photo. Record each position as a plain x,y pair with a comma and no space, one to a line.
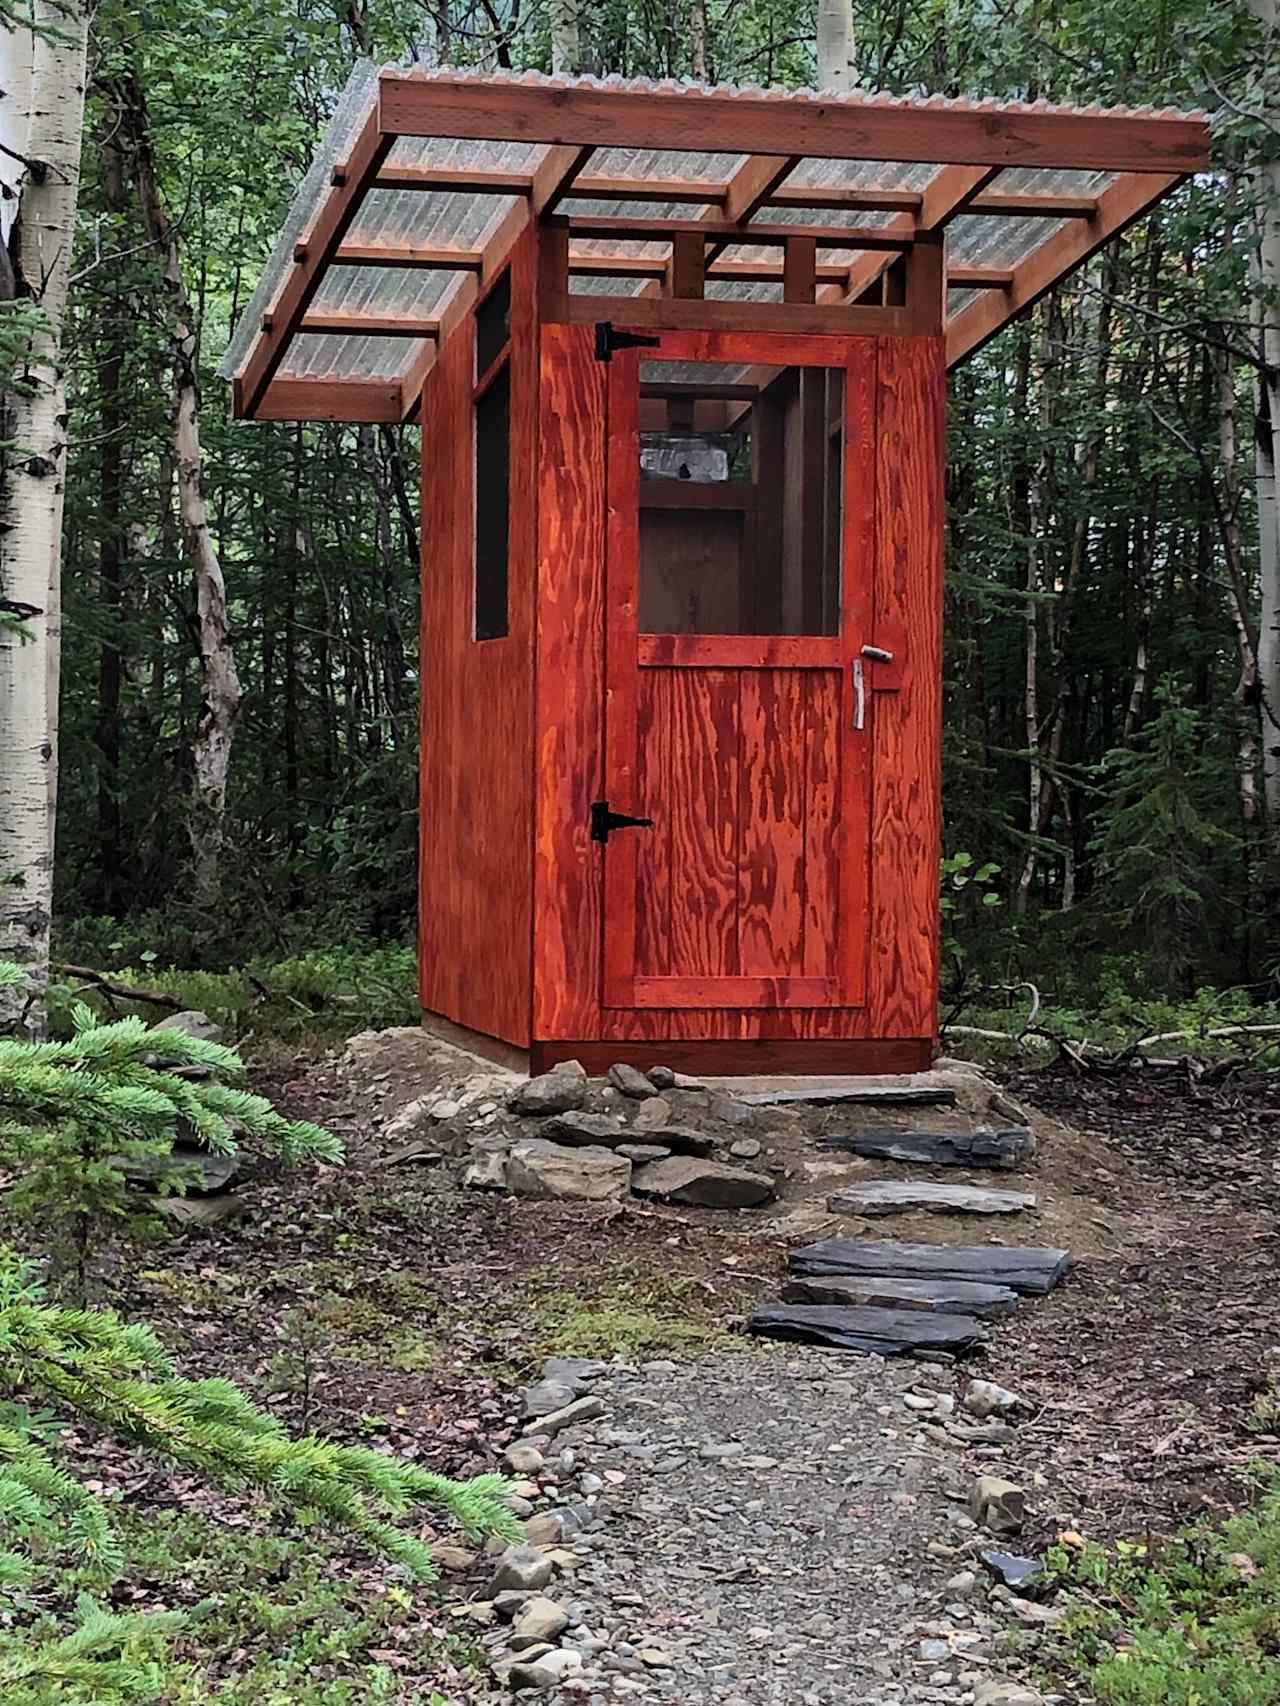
740,545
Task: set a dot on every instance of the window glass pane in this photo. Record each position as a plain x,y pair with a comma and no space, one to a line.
493,477
493,324
741,491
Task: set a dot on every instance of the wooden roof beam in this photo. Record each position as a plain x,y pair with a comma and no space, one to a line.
722,234
455,180
329,399
413,258
947,194
777,128
555,177
1118,207
331,224
366,325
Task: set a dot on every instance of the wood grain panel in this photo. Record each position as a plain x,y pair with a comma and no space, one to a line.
653,847
906,836
738,651
743,1055
570,687
476,787
771,845
823,902
733,992
702,800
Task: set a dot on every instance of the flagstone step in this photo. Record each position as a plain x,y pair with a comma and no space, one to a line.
892,1196
1029,1269
879,1332
947,1297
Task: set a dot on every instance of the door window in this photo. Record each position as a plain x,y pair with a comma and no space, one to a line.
741,483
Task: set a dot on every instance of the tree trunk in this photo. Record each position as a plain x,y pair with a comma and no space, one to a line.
698,40
566,45
42,71
219,683
836,44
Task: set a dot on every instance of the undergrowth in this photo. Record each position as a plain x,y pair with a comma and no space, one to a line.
1193,1621
632,1313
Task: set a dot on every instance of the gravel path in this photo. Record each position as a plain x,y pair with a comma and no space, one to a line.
774,1528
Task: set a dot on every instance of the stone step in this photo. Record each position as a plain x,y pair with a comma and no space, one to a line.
840,1095
891,1196
877,1332
1030,1269
946,1297
1003,1148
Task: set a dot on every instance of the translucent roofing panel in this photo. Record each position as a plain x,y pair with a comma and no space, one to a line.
663,163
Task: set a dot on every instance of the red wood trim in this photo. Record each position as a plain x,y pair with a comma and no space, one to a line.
692,494
738,651
329,227
739,344
495,367
733,1056
839,320
325,400
474,107
1118,207
734,991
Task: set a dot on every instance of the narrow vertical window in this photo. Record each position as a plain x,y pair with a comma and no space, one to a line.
492,495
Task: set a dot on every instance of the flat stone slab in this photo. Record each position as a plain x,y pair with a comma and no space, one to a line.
705,1184
876,1332
947,1297
1033,1270
538,1169
889,1196
1004,1148
869,1096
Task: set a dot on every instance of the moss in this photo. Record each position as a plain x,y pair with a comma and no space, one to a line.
632,1312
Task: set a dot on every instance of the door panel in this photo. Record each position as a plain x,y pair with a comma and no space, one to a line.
750,889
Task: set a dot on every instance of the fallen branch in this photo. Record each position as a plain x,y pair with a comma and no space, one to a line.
125,991
1218,1031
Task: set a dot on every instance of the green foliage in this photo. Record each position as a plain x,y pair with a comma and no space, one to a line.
73,1112
1160,850
1195,1622
632,1312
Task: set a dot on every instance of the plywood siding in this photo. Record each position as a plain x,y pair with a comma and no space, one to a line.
477,766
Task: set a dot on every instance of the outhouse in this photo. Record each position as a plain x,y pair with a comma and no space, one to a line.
679,357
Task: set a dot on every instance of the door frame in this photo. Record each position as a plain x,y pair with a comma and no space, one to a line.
626,652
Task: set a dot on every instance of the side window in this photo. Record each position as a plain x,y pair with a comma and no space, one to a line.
492,435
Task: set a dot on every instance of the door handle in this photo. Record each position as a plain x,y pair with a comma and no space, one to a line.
872,654
604,822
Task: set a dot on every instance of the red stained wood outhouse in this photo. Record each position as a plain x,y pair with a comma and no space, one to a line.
679,358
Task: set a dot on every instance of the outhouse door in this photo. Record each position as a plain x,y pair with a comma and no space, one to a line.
740,663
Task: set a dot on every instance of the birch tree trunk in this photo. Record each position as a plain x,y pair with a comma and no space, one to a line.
836,43
566,44
1266,286
219,683
42,72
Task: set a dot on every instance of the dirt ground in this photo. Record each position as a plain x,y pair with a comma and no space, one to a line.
381,1300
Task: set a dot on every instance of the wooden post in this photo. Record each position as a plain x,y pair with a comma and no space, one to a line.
927,283
799,269
688,266
553,261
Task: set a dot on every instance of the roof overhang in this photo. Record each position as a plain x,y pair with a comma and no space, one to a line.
427,178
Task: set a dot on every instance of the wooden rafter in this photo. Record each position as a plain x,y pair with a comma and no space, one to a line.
471,107
327,398
361,325
722,234
1126,200
331,224
413,257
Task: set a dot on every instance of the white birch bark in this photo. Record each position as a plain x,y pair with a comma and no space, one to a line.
566,45
836,42
42,71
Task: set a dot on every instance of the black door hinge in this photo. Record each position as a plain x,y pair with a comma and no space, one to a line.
608,339
603,821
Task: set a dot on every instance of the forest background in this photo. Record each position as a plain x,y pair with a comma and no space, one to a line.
1107,829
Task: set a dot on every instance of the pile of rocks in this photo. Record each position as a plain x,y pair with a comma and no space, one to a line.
562,1136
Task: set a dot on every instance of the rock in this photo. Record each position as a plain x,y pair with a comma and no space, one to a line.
577,1372
581,1410
662,1077
731,1110
997,1504
746,1149
453,1558
983,1398
507,1603
952,1297
630,1081
525,1459
201,1173
580,1131
1024,1268
889,1196
547,1395
201,1211
683,1139
964,1581
556,1092
539,1619
639,1154
867,1095
522,1568
706,1184
719,1453
545,1672
542,1170
544,1529
487,1171
653,1113
418,1116
881,1332
1005,1148
1012,1570
1006,1694
192,1023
